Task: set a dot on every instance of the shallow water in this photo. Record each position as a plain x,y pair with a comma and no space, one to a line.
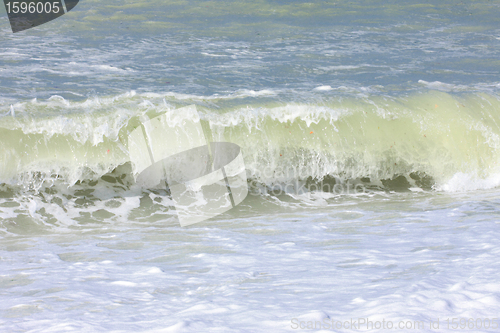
369,132
402,257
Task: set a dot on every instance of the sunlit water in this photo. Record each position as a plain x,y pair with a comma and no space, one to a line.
399,98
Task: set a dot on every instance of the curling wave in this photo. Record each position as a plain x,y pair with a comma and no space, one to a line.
432,140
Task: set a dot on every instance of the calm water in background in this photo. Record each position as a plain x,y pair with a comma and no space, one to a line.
401,97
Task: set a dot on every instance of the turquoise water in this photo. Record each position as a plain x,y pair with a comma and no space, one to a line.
399,100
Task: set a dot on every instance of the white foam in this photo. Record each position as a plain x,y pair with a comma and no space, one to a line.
214,55
364,257
437,85
124,283
464,182
323,88
110,68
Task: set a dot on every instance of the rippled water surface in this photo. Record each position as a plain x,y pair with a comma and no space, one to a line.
399,100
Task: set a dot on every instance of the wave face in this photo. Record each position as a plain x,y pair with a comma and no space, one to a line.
432,140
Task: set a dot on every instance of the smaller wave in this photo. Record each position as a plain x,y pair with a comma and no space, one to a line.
443,86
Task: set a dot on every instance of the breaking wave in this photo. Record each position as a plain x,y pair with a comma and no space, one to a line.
431,141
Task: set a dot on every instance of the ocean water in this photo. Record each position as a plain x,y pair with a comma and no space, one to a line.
371,140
